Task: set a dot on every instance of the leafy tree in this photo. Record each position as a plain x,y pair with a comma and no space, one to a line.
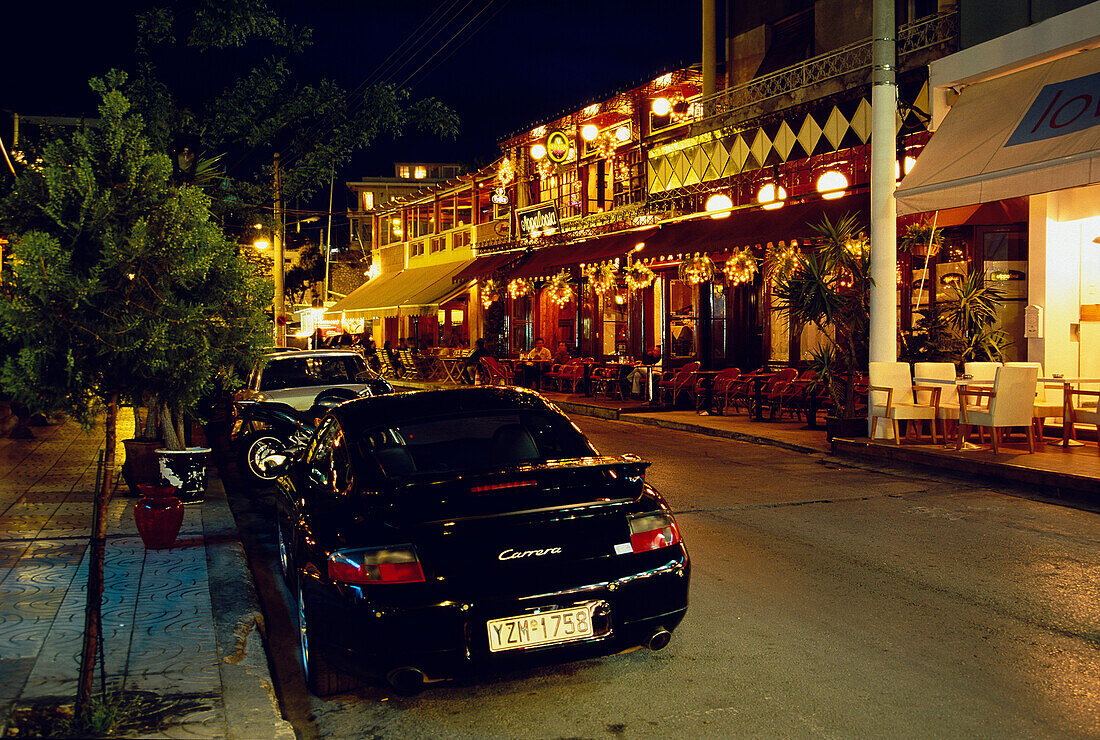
309,271
829,287
268,107
120,286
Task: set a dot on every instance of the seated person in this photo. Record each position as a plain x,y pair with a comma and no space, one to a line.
531,368
562,355
473,362
638,375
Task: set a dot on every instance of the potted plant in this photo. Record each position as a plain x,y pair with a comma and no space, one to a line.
829,287
921,239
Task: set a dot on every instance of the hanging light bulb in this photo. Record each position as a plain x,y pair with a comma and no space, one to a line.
662,106
771,196
589,132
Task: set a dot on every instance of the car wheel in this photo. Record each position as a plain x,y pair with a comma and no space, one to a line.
321,678
285,560
254,450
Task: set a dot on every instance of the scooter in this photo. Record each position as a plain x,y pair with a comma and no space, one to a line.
265,428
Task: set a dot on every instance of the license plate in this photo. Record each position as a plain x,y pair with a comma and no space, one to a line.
545,628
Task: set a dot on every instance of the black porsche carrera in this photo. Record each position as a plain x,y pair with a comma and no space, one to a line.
425,534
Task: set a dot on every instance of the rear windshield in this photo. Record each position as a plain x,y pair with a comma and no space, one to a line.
457,444
296,372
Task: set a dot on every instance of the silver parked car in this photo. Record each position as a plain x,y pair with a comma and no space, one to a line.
296,377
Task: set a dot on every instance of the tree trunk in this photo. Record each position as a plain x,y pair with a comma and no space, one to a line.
94,601
171,440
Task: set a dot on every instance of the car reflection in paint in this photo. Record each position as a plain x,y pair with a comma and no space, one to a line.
423,535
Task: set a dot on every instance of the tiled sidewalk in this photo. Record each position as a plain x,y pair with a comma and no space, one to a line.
160,632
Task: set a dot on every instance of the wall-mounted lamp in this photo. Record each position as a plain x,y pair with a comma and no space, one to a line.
719,205
538,151
832,185
662,106
771,196
589,132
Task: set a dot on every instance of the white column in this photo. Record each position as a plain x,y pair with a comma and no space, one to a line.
884,253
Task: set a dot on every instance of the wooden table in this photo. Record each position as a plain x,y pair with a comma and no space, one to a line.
757,398
1067,407
451,367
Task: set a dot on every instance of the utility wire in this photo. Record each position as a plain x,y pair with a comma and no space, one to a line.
460,44
413,38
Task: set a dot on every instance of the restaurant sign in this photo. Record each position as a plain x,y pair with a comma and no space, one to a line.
537,220
1060,108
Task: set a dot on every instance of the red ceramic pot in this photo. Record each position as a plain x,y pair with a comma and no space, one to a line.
158,515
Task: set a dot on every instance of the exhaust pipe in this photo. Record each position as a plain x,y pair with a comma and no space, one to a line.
406,681
659,639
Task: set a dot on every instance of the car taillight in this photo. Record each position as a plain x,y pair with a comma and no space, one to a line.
389,565
652,532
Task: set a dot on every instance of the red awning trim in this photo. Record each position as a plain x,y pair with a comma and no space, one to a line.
550,260
750,228
487,265
997,213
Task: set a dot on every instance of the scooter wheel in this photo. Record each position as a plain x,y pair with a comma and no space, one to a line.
254,450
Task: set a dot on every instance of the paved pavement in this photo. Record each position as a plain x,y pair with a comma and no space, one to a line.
182,622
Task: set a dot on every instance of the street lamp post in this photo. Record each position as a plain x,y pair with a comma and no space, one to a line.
279,303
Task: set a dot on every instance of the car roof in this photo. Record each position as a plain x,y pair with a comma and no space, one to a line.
399,408
283,354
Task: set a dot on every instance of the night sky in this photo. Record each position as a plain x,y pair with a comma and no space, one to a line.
516,63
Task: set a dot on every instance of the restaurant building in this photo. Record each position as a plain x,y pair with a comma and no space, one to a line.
1017,131
653,217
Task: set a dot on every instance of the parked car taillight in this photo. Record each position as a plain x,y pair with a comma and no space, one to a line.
652,532
388,565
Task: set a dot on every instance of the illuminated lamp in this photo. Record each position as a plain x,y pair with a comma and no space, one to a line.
373,271
589,132
771,196
832,184
719,202
909,162
622,133
662,106
261,244
538,151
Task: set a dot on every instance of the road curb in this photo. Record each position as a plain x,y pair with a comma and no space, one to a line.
248,693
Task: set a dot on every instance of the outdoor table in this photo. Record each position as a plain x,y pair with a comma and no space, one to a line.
961,384
651,372
758,386
451,366
533,371
1067,408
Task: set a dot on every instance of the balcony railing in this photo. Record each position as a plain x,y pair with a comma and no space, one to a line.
920,34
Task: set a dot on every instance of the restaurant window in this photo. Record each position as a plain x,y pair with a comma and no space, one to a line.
389,231
1005,268
460,238
446,213
421,220
614,329
463,208
629,178
599,186
438,244
521,324
718,327
681,319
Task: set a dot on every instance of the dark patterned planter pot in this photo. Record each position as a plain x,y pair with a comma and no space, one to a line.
845,427
186,470
158,515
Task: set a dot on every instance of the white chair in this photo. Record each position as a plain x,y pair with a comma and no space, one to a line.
1087,412
948,406
1010,405
1048,399
890,396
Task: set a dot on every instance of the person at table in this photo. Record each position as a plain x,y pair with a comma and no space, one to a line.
530,367
637,376
395,360
562,355
469,368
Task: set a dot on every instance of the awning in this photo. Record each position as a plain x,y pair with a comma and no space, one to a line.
416,291
751,227
550,260
486,265
1031,132
998,213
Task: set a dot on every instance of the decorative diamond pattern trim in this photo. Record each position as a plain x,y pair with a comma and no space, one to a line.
861,121
809,135
835,128
739,152
761,146
784,141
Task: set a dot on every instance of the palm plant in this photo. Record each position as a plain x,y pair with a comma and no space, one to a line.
830,288
972,312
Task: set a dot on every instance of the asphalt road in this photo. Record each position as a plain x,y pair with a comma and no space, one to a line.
827,601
